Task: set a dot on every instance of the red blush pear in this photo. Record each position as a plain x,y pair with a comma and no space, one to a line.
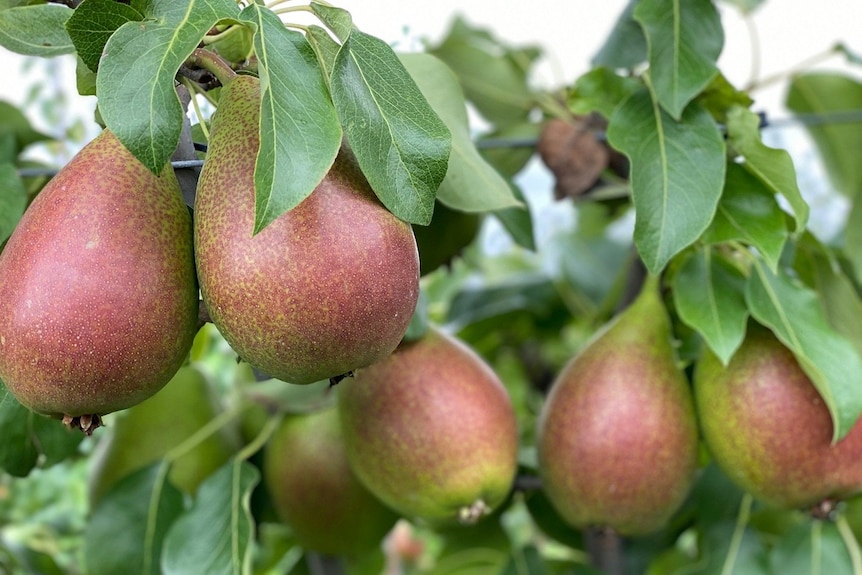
328,287
98,295
768,428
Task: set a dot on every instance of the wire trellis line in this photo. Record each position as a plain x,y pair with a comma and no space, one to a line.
807,119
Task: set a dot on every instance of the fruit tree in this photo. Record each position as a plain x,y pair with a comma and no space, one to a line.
292,312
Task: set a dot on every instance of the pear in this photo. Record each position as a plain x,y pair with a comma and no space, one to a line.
328,287
314,491
431,431
146,432
98,296
617,436
768,428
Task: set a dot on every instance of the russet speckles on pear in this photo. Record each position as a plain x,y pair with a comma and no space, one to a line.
98,296
431,431
768,428
328,287
617,437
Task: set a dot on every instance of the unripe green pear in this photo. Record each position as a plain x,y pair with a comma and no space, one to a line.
617,436
328,287
768,428
146,432
316,493
98,297
431,431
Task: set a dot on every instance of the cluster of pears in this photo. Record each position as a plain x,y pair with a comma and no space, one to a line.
99,294
428,433
99,283
619,432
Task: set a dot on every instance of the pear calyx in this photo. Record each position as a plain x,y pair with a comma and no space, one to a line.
87,423
471,514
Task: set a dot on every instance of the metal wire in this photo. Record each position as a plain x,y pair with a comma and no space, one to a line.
829,118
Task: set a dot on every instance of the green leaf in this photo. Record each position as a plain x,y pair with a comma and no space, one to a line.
128,526
591,261
677,174
8,148
18,455
527,293
626,45
721,96
494,76
16,124
325,48
92,24
85,79
525,560
795,314
772,166
27,436
811,547
401,145
37,30
215,535
135,85
710,298
684,40
852,247
601,90
723,549
299,130
336,19
13,200
278,396
471,184
838,295
749,212
236,42
518,222
839,143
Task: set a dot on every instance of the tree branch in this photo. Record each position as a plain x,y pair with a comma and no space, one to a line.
605,548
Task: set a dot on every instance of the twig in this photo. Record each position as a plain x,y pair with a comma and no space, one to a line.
605,548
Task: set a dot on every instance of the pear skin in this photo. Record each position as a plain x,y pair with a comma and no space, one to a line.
316,493
768,428
617,435
328,287
98,296
431,431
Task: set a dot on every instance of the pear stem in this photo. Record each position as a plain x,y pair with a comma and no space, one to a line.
212,62
736,540
851,543
271,425
203,433
605,548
